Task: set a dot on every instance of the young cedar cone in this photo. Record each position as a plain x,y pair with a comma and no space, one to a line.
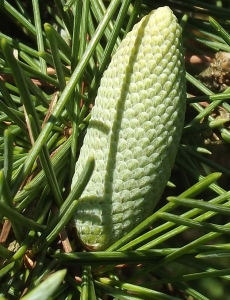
134,131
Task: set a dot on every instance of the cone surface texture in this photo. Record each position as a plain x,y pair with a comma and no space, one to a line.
134,131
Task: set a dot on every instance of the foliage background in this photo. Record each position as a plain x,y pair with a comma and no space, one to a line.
44,45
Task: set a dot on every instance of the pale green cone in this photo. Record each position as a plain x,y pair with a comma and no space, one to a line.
134,131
